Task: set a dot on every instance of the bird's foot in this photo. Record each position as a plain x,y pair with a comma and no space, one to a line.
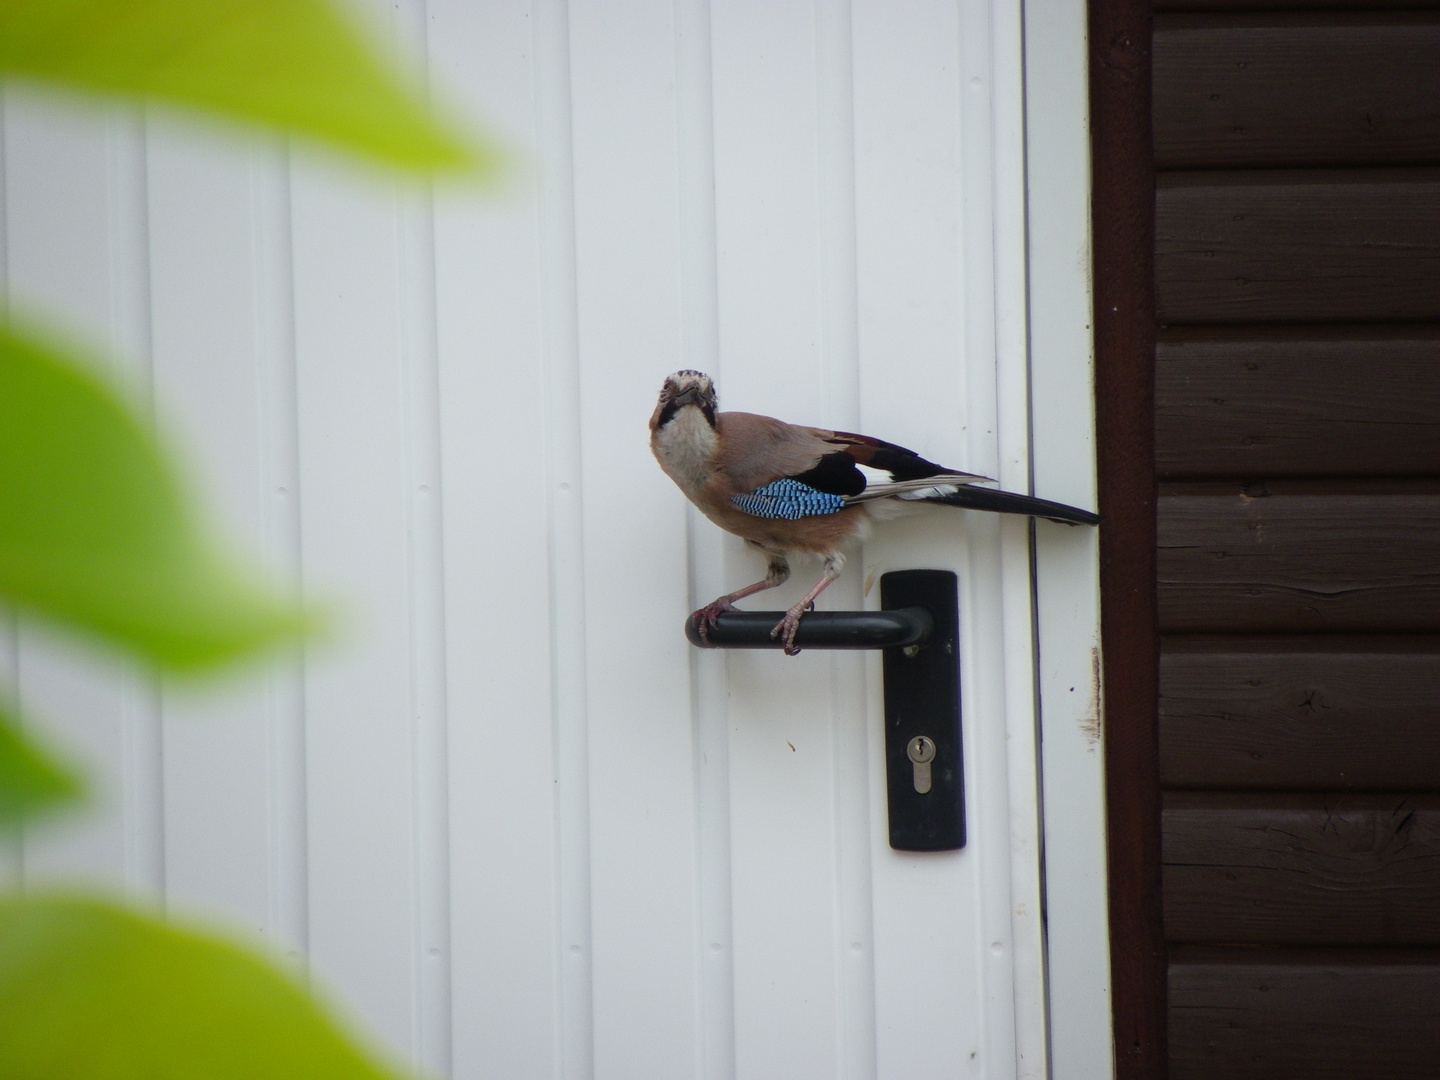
708,615
789,626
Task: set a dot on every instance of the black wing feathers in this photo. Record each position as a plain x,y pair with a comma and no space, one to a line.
1007,502
900,463
834,474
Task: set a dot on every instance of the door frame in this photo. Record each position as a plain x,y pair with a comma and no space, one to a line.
1075,714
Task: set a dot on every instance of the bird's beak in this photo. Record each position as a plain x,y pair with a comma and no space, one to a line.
689,397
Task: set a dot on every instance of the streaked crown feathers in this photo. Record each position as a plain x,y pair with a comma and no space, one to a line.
682,381
680,390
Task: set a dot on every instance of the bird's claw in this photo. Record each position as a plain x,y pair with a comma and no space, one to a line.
709,615
788,627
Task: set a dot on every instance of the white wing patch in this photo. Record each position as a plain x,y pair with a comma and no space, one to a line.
879,485
929,492
875,477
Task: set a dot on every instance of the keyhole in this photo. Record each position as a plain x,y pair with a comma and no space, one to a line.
921,751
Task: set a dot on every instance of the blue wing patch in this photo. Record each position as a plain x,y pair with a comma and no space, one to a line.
788,500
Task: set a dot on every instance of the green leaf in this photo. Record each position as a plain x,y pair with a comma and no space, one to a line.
89,989
29,779
95,530
297,65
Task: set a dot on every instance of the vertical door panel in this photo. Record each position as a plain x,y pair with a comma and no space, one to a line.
772,360
642,805
359,746
207,378
913,377
76,259
923,85
495,415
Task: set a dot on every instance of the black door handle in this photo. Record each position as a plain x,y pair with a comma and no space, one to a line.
918,627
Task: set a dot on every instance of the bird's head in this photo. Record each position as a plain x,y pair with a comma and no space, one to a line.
681,391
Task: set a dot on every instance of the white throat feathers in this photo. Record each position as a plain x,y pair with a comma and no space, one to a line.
685,447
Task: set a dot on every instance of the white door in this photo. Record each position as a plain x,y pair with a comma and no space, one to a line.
511,821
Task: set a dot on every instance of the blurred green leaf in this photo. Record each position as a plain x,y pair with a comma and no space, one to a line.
29,779
292,64
95,530
90,989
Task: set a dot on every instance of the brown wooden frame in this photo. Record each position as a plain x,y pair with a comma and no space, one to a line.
1123,213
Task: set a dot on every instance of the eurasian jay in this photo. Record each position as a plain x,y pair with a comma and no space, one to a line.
788,490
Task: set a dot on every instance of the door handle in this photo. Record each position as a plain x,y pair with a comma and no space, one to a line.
818,630
918,629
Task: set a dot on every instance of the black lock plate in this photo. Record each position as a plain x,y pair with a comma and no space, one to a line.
922,700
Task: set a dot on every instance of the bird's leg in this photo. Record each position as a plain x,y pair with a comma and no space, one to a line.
789,626
777,574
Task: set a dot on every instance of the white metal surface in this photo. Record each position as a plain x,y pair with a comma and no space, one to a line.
508,818
1067,574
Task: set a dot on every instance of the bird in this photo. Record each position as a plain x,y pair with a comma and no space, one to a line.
790,490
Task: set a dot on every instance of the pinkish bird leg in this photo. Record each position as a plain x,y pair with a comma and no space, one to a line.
789,626
707,616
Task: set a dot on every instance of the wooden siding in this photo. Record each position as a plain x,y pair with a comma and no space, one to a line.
1316,712
1313,868
1296,556
1297,246
1292,401
1310,90
1297,277
1321,1014
1271,7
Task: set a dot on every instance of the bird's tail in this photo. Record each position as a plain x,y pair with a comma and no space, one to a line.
1007,502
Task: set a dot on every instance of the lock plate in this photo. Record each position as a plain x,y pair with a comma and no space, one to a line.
921,750
922,717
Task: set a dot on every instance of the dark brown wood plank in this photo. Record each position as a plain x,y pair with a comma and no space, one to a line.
1308,245
1123,250
1278,91
1323,712
1333,869
1299,557
1322,1014
1261,402
1270,6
